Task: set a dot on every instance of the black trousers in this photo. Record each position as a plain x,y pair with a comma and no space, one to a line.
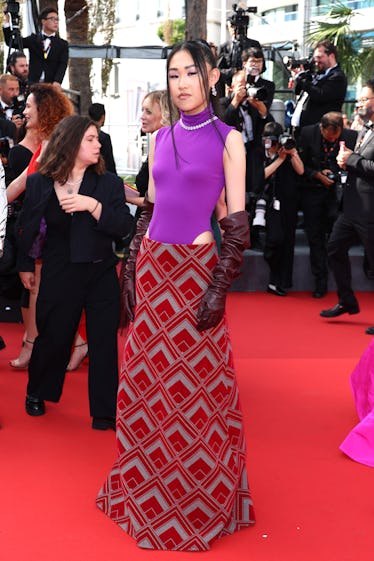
320,210
65,291
280,243
345,234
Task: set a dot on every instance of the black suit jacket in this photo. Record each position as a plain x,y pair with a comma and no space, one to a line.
91,239
54,66
358,200
107,151
310,149
229,56
326,94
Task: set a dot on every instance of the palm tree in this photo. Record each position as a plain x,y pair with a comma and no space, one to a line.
336,27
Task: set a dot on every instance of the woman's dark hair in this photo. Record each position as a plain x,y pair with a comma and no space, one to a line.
52,105
59,157
201,55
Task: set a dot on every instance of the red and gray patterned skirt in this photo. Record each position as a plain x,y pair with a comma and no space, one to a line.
180,480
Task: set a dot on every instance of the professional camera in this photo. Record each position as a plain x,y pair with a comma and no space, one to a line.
333,176
292,63
286,141
259,93
240,19
19,104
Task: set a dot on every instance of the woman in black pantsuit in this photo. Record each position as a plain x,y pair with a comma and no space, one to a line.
84,210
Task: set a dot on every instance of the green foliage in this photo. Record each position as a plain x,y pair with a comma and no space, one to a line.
336,27
178,31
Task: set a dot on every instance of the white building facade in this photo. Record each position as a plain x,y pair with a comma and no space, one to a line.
280,24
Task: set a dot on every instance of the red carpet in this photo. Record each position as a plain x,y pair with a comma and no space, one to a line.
311,502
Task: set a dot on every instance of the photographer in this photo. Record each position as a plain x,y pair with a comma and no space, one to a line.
355,223
230,53
321,92
322,181
19,67
282,165
247,109
49,54
11,119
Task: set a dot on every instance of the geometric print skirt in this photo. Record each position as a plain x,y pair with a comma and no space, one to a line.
180,478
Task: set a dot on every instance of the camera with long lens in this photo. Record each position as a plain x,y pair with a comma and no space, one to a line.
292,63
240,19
286,141
259,93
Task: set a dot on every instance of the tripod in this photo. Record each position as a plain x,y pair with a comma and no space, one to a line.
15,42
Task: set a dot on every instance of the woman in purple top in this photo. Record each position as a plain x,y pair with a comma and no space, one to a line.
180,478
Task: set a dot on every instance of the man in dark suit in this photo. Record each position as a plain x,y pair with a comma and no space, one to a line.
10,119
230,53
49,54
322,92
97,113
356,223
320,188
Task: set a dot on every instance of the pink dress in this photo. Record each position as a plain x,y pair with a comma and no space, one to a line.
359,444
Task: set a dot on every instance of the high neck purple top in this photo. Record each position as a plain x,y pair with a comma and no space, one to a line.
187,185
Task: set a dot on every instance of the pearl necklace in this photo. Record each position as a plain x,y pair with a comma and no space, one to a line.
199,126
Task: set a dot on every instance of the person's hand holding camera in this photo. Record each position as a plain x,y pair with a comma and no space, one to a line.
239,94
325,177
259,105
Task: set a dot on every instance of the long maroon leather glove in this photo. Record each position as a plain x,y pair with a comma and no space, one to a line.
127,273
235,240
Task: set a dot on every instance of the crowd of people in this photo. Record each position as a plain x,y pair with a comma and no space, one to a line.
220,171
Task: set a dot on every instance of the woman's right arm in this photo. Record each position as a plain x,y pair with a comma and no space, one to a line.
16,187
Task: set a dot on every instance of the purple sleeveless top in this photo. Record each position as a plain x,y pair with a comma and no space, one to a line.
187,187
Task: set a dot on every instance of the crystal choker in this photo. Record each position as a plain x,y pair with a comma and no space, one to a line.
199,126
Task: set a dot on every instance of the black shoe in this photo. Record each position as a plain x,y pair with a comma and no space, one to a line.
104,423
370,331
338,310
34,406
277,290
